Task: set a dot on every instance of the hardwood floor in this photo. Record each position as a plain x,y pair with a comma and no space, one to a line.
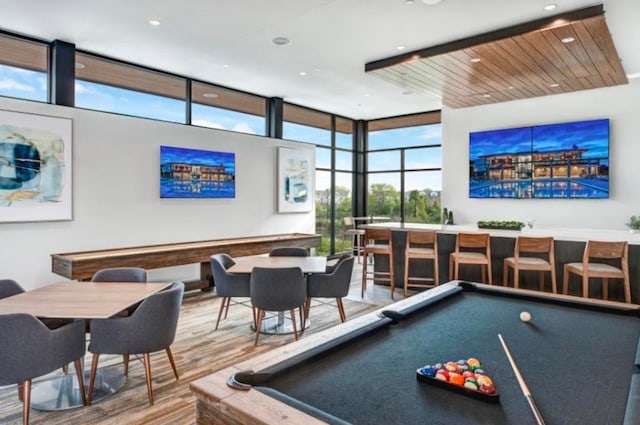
198,351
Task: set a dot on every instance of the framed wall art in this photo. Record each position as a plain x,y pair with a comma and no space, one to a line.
35,167
295,180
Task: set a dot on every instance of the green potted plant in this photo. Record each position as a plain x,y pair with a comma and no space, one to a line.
634,224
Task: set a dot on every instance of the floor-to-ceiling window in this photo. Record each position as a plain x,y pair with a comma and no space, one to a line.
404,171
333,138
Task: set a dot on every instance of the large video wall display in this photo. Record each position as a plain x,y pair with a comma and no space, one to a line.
565,160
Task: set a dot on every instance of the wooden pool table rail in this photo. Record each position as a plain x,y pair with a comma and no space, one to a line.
82,265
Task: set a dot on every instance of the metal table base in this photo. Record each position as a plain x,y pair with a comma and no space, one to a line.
63,392
280,324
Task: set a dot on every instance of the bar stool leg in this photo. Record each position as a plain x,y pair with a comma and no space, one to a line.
605,288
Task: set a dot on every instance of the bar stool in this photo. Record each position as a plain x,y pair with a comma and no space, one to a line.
377,241
586,269
472,243
531,245
421,245
356,235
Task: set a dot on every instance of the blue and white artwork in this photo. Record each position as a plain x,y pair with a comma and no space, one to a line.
35,167
195,173
295,180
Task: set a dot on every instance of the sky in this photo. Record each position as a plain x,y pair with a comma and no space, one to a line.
25,84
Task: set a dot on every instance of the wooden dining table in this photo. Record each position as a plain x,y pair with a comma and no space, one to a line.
78,300
279,324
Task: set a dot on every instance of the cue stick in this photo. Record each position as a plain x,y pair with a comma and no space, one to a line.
523,384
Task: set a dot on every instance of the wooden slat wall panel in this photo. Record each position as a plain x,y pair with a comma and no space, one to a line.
530,64
229,99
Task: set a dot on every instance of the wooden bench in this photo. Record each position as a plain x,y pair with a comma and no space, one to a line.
82,265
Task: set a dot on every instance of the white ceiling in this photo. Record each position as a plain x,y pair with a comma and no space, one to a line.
228,42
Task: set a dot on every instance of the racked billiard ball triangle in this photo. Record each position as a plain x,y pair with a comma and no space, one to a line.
466,377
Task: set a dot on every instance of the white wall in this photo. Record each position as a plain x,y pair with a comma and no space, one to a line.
621,104
116,199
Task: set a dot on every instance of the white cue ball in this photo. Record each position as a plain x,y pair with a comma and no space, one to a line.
525,316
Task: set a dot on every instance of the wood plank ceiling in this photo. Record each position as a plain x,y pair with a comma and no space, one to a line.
559,54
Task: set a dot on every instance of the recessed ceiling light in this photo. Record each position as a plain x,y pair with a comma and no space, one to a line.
154,22
366,95
281,41
475,60
79,65
550,6
415,57
210,95
431,2
486,95
511,87
408,1
225,65
302,73
554,85
567,40
401,47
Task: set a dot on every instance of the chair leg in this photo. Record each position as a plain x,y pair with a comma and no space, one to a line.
627,288
224,299
605,288
516,277
65,369
565,281
253,312
303,316
173,363
92,377
406,274
293,322
258,324
147,371
26,400
343,317
364,275
125,361
226,310
392,278
585,285
554,287
80,375
307,307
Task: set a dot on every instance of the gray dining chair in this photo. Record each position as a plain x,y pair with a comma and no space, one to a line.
151,328
9,287
122,274
29,349
331,285
289,251
278,289
228,285
332,266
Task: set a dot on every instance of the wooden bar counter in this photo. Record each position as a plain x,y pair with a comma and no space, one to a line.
569,247
82,265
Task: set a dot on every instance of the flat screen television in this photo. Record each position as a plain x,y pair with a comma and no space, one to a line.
194,173
566,160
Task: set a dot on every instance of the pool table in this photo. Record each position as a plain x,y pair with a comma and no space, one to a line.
578,356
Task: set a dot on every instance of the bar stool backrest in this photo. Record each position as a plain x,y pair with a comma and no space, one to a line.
472,240
378,235
533,245
606,250
421,238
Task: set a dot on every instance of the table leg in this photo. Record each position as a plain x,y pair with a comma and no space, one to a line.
280,324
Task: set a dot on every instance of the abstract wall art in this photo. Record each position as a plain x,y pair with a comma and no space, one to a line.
295,180
35,167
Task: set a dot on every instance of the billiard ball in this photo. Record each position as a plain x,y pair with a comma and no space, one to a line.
525,316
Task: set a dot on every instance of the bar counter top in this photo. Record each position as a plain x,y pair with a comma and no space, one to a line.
561,234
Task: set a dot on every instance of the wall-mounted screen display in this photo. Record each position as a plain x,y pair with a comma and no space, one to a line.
566,160
193,173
